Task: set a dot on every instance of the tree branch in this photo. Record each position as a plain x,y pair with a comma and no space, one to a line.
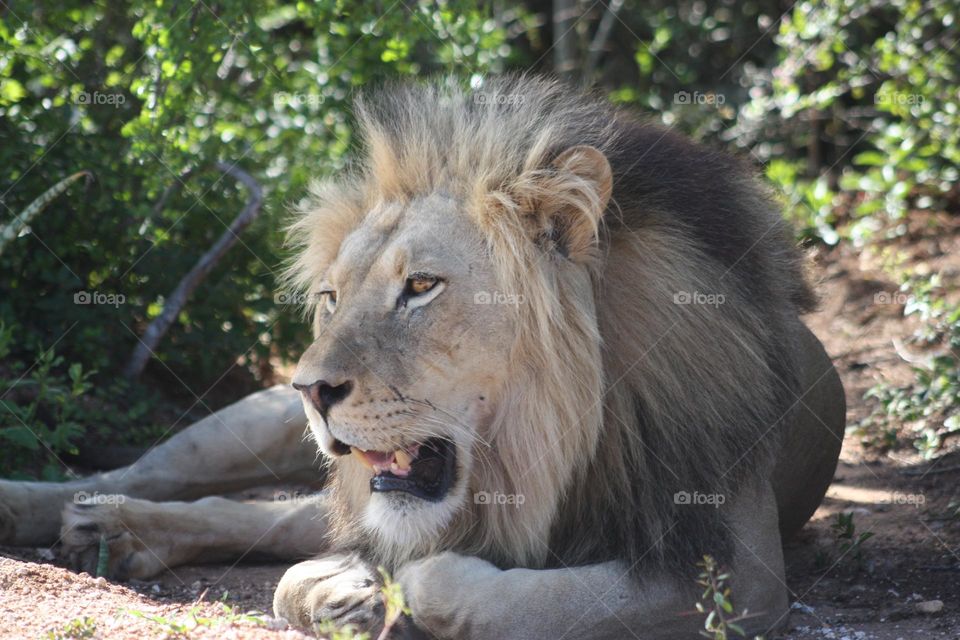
21,220
174,303
564,38
600,38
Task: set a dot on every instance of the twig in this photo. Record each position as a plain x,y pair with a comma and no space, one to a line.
599,42
174,303
564,38
11,230
172,188
922,360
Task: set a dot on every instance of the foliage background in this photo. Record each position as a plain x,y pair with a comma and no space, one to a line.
849,107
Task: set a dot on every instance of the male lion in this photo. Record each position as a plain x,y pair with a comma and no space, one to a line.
558,358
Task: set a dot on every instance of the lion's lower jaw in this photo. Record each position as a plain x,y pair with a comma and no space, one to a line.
404,527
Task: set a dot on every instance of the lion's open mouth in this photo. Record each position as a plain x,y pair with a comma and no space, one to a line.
426,470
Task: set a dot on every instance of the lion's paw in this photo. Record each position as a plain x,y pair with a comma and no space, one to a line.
341,589
86,524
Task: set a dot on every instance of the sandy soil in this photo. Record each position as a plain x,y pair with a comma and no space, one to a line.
905,584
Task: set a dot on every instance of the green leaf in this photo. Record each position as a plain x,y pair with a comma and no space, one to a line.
870,159
11,91
20,436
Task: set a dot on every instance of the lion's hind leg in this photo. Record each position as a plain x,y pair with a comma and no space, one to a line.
145,538
255,441
812,442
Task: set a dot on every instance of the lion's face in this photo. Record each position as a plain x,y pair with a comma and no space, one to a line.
410,353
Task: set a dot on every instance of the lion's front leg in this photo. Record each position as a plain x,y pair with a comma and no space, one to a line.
454,596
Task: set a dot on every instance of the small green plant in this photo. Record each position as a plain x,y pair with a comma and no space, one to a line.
173,627
41,413
716,603
821,560
181,627
849,542
78,629
330,631
393,602
928,408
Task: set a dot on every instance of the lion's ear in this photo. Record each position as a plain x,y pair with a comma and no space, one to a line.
577,197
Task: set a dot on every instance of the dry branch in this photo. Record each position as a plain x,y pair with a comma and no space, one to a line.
175,302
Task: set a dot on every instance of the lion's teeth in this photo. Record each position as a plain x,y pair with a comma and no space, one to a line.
402,459
362,457
397,471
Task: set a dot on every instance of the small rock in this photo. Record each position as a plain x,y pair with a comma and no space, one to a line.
100,582
929,606
276,624
802,607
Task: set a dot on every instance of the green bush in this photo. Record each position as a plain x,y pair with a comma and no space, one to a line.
139,94
44,421
851,106
859,122
864,96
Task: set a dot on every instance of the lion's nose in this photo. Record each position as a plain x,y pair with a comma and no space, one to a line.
324,395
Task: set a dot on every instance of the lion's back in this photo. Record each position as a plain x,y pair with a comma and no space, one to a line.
662,178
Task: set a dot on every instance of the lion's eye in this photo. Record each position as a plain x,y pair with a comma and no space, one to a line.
418,290
329,299
420,283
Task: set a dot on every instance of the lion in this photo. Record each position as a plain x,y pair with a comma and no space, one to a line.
558,357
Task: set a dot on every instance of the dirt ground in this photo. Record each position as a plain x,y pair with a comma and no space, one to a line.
903,584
